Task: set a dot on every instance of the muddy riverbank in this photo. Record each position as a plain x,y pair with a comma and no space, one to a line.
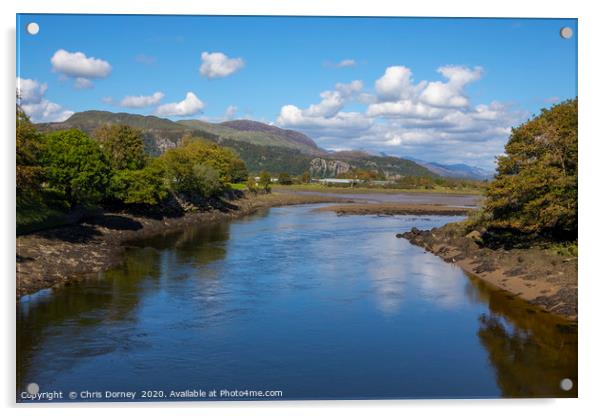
394,209
536,275
56,256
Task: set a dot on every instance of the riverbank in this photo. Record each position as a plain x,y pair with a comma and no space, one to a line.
536,274
55,256
394,209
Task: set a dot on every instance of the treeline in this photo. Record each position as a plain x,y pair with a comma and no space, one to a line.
534,192
60,171
416,182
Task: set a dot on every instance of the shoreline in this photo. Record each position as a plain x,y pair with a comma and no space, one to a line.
56,256
543,279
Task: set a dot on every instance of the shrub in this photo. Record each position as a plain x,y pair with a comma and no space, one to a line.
285,179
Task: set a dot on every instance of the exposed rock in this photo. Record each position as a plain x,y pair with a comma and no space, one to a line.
328,168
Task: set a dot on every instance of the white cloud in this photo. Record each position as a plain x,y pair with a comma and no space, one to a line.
451,93
429,120
396,83
30,91
140,101
78,66
189,106
218,65
32,100
345,63
326,116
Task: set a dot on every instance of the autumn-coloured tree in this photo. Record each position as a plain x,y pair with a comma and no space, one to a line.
535,188
123,146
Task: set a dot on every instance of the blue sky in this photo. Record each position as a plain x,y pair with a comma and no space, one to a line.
445,90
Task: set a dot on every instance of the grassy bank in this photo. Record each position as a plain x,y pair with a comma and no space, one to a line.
315,187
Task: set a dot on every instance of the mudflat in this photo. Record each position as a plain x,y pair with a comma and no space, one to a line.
394,209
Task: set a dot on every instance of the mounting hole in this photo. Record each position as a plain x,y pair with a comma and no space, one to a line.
33,388
566,32
32,28
566,384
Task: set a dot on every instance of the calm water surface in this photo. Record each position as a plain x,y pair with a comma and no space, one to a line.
314,305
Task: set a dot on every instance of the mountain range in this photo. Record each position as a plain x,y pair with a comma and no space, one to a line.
262,146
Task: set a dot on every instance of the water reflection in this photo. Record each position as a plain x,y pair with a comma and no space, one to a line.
317,305
531,350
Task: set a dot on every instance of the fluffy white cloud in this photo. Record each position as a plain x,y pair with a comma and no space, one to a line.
78,66
326,116
451,93
218,65
31,99
396,83
30,91
189,106
429,120
140,101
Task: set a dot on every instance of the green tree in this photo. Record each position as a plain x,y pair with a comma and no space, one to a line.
535,188
251,184
198,167
225,161
28,166
238,170
123,146
285,179
141,186
265,180
75,165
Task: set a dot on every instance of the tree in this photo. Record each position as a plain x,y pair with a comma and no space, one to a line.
225,161
75,165
535,188
285,179
238,170
265,180
306,177
123,146
199,167
251,184
141,186
28,166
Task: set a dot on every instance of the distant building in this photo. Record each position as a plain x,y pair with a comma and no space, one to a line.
333,181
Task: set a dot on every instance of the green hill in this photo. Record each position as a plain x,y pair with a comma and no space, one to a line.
261,146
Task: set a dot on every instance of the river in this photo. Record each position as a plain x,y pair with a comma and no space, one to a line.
315,305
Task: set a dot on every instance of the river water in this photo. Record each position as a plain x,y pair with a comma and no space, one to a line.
308,303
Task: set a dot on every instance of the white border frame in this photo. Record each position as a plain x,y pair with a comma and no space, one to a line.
590,33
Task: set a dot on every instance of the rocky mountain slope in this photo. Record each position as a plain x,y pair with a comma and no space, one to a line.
261,146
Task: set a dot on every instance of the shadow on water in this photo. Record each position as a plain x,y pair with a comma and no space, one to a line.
530,350
107,298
